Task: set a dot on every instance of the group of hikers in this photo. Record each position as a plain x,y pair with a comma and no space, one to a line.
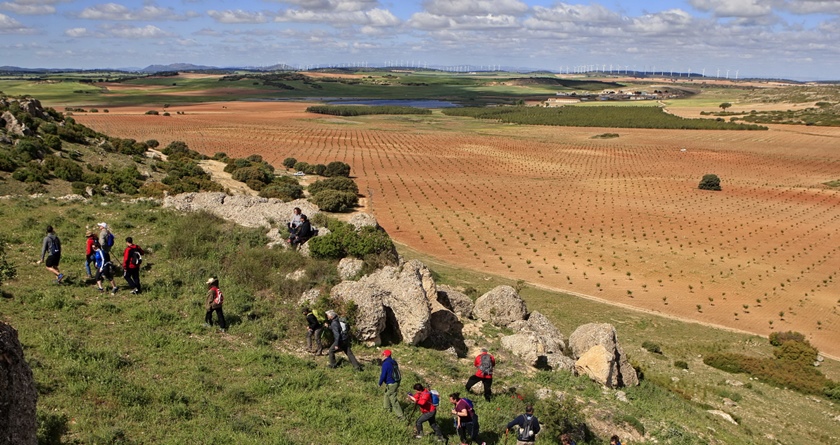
525,427
97,253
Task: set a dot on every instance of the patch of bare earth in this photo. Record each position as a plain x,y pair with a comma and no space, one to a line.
618,219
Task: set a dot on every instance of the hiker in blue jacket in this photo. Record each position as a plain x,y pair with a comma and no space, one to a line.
528,425
392,385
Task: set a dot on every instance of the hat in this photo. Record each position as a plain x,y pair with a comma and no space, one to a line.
331,314
386,352
212,280
103,225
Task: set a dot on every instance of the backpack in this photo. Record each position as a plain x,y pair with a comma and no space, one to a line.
435,397
109,239
219,297
134,258
486,364
395,372
525,433
55,247
344,336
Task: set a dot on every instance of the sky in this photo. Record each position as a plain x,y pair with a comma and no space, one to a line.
721,38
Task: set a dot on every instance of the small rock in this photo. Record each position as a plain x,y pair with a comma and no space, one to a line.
621,396
722,415
729,402
734,383
296,275
675,379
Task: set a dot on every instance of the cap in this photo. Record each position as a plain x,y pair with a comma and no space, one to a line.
386,352
211,280
103,225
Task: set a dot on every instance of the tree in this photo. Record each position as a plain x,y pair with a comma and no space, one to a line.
337,168
725,105
710,182
289,162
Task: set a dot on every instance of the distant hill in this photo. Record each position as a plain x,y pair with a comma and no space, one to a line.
176,67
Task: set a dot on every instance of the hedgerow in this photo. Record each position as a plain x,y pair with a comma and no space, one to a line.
616,117
362,110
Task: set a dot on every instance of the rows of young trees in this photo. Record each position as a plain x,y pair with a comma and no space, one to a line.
615,117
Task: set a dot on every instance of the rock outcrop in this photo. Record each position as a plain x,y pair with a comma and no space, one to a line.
360,220
455,301
398,303
599,355
538,342
348,268
248,211
500,306
18,395
14,126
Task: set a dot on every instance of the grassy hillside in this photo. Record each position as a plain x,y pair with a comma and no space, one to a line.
109,367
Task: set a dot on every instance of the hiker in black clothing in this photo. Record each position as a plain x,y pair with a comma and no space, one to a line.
313,331
52,249
341,342
303,232
528,425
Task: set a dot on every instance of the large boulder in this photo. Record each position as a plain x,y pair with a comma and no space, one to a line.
14,126
618,372
360,220
349,267
400,300
18,395
455,300
500,306
538,342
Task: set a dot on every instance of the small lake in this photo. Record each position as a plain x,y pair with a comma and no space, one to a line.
398,103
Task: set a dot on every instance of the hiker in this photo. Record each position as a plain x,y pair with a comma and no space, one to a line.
566,439
89,258
313,331
464,418
132,258
295,222
391,377
51,247
104,269
529,427
614,440
484,366
214,302
303,232
106,238
422,397
341,340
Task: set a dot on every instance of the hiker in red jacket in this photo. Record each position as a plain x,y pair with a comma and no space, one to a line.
423,398
484,366
132,258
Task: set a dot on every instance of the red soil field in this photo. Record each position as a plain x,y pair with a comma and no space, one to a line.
618,219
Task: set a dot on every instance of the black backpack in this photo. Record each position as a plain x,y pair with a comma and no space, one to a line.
395,372
525,433
135,258
344,326
55,246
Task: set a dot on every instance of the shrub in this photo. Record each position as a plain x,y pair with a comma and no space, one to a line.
340,184
7,164
319,169
710,182
335,201
681,364
651,347
251,174
565,417
337,168
152,112
289,162
301,166
777,338
7,270
282,190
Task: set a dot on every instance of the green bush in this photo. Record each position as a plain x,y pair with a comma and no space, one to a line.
7,270
651,347
680,364
340,184
710,182
564,417
289,162
283,191
251,174
335,201
337,168
777,338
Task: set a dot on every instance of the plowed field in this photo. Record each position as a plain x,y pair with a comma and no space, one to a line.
618,219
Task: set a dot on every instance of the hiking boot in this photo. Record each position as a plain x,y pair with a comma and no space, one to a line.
418,436
114,291
101,290
134,291
59,278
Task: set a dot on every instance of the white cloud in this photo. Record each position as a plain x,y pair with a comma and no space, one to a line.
474,7
27,8
9,25
335,5
78,32
734,8
134,32
113,11
812,6
373,17
483,22
238,16
662,23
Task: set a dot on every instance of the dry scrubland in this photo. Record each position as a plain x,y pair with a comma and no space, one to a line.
618,219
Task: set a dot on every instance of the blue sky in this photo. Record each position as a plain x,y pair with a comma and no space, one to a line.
753,38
